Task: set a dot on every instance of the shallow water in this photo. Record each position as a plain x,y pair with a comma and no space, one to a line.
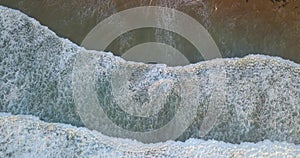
239,27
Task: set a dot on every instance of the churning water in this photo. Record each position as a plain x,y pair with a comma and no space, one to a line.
249,99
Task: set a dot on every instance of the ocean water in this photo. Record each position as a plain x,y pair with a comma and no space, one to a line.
239,27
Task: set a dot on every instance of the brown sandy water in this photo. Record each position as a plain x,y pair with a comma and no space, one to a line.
239,27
